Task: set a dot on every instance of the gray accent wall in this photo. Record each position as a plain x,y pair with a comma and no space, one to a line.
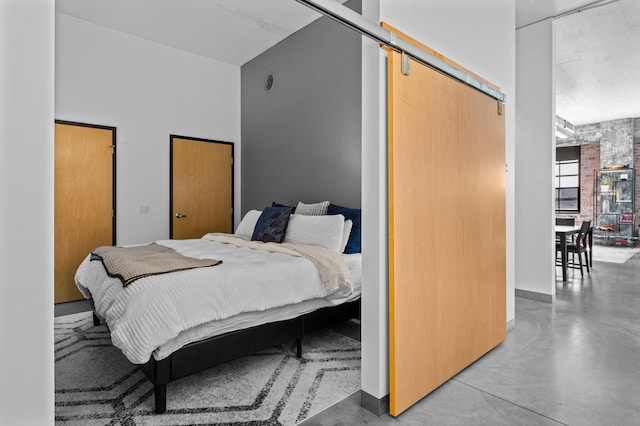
301,140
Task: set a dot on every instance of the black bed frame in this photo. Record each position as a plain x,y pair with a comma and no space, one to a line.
198,356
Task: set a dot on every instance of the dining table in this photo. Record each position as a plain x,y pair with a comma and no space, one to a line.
562,234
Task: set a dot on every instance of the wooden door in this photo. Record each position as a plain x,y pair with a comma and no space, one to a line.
447,244
84,199
201,187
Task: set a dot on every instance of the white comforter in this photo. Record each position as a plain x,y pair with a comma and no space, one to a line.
153,310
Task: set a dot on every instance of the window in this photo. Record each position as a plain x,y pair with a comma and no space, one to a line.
568,179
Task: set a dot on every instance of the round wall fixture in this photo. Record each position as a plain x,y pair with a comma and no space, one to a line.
268,82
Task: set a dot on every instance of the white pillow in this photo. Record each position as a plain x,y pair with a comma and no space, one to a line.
317,209
346,233
248,223
324,231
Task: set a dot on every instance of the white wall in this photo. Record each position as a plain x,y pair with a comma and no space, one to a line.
479,35
148,91
375,299
26,220
535,159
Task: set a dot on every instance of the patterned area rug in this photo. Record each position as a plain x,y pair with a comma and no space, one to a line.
613,254
96,385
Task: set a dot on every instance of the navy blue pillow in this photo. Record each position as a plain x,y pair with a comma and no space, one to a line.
272,224
353,245
274,204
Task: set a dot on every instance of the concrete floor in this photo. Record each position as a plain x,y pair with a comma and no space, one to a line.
573,362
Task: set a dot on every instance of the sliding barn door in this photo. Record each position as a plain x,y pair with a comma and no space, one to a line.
447,265
201,187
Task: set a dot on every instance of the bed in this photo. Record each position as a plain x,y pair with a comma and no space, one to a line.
258,294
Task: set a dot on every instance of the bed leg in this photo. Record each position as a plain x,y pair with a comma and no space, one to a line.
96,320
160,396
299,347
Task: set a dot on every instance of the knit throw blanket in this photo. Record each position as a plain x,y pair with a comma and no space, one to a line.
132,263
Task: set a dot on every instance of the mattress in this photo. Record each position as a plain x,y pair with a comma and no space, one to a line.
157,315
252,319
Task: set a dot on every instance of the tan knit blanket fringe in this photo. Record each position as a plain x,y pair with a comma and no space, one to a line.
132,263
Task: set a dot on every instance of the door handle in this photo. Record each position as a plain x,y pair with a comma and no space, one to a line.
180,215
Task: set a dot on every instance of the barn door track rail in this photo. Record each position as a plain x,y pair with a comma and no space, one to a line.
353,20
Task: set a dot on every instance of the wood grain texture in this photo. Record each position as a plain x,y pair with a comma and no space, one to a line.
83,201
446,230
202,184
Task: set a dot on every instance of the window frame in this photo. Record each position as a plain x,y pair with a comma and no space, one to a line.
566,156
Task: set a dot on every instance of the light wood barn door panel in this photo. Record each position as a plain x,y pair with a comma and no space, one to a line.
202,187
446,229
83,200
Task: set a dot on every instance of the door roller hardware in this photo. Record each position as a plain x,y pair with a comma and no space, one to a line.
405,64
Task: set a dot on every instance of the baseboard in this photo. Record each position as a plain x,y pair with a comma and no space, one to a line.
68,308
377,406
511,325
542,297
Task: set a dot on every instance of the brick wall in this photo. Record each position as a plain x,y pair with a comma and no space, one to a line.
589,162
606,144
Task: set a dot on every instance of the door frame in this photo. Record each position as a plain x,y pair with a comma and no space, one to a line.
113,130
233,183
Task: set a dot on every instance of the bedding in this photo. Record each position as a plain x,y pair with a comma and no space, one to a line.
250,319
274,204
355,215
306,229
324,231
332,270
315,209
156,312
272,224
248,223
346,233
132,263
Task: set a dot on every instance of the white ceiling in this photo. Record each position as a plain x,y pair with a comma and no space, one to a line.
597,56
231,31
597,50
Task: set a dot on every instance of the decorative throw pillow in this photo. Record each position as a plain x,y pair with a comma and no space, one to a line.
348,224
272,224
316,209
323,231
274,204
248,223
354,243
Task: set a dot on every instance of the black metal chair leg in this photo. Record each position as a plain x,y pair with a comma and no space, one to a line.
580,262
586,261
